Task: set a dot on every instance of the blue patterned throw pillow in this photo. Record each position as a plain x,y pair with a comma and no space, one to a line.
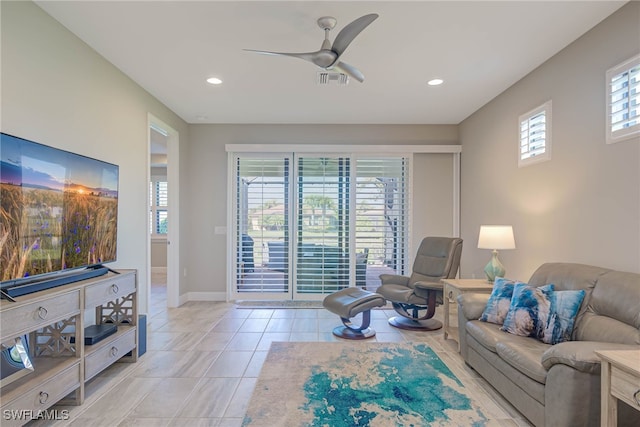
563,311
529,310
499,301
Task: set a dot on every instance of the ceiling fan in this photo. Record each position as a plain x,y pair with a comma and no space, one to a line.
328,57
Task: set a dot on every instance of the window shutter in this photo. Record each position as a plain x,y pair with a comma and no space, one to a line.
623,100
262,222
322,224
161,194
535,135
381,212
158,200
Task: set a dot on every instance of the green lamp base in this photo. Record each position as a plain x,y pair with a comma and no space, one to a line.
494,268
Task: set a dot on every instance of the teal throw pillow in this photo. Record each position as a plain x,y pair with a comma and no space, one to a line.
529,310
562,316
499,301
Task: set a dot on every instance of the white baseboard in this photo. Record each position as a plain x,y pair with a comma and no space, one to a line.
203,296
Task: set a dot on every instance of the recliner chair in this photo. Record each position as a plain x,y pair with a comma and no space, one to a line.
415,297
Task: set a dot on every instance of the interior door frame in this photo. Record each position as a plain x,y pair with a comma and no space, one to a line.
173,231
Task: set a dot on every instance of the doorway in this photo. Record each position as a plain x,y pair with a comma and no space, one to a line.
163,230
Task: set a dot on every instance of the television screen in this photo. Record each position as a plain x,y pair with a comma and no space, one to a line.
58,210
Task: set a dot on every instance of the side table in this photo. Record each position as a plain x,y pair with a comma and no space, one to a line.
620,376
454,287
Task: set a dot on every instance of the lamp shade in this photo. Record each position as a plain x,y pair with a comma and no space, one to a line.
496,237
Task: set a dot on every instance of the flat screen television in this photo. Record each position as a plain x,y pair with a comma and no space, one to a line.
58,216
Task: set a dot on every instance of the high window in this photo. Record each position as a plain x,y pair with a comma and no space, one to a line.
623,100
158,202
535,135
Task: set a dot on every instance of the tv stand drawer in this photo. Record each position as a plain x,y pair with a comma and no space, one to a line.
108,353
38,314
42,396
109,289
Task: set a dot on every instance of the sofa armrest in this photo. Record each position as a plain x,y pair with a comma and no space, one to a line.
394,279
579,355
472,305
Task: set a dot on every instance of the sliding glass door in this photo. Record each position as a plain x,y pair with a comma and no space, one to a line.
261,225
308,225
322,225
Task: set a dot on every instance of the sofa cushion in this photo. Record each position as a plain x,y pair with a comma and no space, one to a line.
562,315
617,295
567,276
507,378
613,306
487,334
528,311
499,301
524,354
593,327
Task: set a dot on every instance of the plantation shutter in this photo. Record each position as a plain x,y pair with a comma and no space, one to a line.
623,103
535,135
262,218
159,201
322,241
381,206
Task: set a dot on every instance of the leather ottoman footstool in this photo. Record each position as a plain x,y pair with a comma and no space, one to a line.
349,302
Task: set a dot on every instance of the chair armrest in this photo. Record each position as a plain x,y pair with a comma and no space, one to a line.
394,279
429,286
580,355
424,288
472,305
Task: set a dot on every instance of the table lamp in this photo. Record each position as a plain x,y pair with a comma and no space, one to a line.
495,237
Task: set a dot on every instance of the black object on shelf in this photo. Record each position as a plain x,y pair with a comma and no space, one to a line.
95,333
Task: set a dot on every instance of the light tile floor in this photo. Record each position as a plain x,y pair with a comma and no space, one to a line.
203,360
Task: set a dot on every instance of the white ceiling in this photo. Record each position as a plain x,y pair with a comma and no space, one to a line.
479,48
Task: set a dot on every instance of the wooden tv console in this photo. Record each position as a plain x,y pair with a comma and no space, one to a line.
54,320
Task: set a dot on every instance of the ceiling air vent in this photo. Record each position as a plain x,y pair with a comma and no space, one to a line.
325,78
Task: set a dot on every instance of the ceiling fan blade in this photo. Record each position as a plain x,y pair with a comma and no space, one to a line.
322,58
348,33
307,56
349,70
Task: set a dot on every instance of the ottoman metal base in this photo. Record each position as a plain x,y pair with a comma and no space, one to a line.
349,302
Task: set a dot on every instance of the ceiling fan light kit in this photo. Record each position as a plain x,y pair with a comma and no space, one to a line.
328,57
327,77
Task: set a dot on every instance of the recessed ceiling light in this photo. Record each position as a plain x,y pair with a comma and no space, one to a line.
214,81
435,82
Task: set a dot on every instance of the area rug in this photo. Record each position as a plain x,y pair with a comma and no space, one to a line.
358,384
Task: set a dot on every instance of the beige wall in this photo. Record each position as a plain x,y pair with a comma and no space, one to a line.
584,204
208,260
58,91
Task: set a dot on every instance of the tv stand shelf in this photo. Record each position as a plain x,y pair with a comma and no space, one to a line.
54,320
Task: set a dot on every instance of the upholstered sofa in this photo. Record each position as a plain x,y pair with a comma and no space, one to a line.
557,385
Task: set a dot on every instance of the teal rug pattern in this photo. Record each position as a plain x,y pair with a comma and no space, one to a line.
358,384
